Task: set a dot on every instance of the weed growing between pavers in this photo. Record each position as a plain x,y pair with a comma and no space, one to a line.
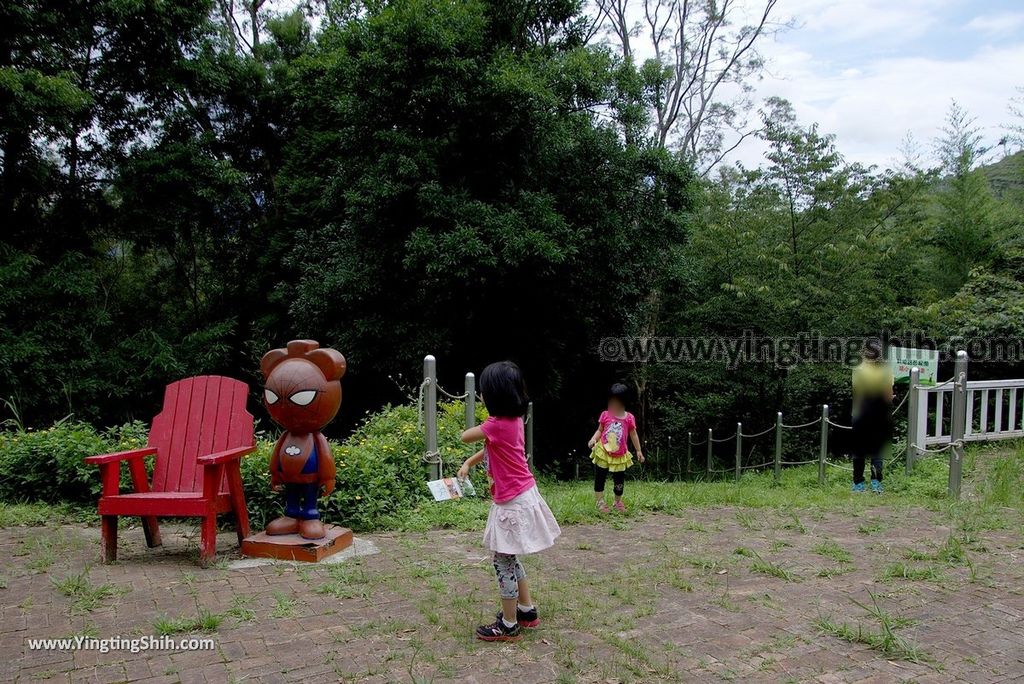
41,551
284,606
904,571
764,567
241,609
85,596
831,549
203,621
884,639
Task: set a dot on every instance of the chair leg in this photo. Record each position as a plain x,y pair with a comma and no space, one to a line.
151,528
108,537
149,524
238,501
208,540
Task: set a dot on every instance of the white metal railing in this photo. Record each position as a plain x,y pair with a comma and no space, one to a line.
994,411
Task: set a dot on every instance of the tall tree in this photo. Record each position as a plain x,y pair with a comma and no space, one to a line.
701,72
966,220
807,245
455,189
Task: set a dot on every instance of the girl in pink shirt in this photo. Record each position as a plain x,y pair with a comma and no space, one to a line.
520,520
608,448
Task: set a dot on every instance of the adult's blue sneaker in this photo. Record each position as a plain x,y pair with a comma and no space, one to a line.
876,486
859,487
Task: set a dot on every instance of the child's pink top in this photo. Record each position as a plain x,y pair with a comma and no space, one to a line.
615,432
505,458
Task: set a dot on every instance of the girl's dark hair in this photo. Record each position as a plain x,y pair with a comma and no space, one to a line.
620,392
504,390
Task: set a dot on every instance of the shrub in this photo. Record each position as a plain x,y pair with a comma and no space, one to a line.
381,473
47,465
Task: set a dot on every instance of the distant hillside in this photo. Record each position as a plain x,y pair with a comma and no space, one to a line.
1006,175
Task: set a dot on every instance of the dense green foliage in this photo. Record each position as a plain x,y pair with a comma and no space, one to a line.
417,176
380,466
380,482
475,179
47,465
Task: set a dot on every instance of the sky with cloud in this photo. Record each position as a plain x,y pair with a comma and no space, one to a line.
872,71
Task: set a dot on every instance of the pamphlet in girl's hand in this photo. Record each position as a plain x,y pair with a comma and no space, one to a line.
451,488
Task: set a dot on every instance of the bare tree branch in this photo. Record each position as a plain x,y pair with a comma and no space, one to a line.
701,107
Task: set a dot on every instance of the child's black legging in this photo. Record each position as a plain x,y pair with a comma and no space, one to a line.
618,480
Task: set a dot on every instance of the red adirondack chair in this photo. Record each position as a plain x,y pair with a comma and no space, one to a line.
198,439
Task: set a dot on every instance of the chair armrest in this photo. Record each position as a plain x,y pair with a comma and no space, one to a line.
120,456
225,456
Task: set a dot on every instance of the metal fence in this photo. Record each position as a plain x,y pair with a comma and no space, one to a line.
926,425
971,405
429,390
824,423
991,412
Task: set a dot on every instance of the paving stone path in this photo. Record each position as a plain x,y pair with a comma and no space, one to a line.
721,595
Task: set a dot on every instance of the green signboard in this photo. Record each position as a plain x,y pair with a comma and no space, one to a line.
902,359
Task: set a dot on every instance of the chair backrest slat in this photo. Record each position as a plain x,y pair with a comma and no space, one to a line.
201,415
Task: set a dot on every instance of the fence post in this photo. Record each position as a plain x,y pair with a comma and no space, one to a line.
709,453
778,445
529,434
912,418
959,423
470,400
739,450
689,452
921,422
673,456
430,414
823,448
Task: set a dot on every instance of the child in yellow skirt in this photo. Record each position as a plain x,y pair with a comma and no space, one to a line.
608,449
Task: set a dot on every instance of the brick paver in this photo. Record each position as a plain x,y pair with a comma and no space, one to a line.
641,599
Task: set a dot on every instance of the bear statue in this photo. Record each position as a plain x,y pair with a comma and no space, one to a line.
302,393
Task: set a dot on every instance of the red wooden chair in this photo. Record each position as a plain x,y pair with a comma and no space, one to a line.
198,439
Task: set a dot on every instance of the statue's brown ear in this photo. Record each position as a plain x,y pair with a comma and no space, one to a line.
271,359
330,362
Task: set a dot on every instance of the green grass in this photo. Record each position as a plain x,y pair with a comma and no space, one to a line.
900,570
240,608
45,547
85,596
41,514
573,502
284,606
884,639
836,571
346,581
1003,481
831,549
203,621
870,527
797,493
764,567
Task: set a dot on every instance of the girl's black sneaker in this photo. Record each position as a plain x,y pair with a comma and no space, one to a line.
527,619
498,632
